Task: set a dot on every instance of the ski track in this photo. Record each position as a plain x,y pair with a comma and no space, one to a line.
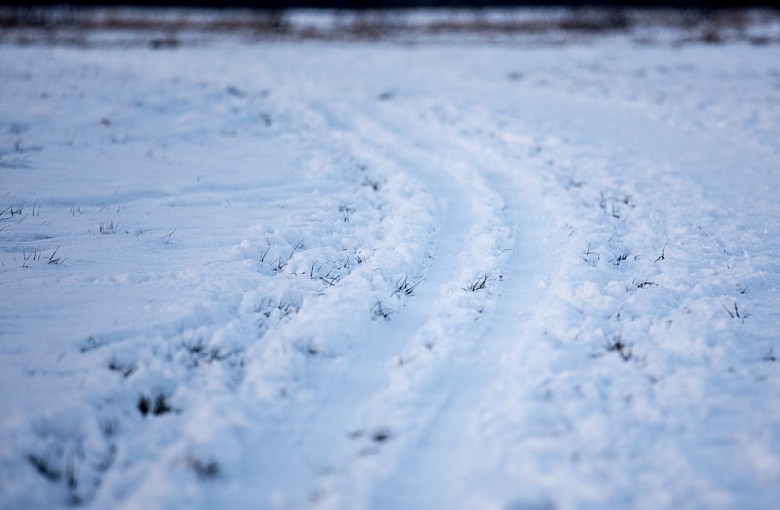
602,364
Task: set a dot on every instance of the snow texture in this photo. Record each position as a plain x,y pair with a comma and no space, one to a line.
382,276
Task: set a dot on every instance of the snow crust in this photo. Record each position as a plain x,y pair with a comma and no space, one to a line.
352,276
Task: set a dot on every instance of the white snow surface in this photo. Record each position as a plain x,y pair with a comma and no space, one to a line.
390,276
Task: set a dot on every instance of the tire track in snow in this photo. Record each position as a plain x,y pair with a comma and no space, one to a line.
577,405
579,322
443,454
435,331
308,372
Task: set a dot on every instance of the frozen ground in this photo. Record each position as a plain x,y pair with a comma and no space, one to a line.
380,276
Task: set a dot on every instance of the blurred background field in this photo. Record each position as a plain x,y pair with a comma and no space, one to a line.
167,25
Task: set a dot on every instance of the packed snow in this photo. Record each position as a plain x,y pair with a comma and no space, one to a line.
385,275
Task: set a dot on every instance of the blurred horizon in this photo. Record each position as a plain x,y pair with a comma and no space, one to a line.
399,4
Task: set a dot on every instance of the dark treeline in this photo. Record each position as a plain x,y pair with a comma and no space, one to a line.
398,4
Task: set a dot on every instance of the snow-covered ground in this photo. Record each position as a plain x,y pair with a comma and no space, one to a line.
385,275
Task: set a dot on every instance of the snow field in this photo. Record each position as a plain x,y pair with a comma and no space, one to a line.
316,275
